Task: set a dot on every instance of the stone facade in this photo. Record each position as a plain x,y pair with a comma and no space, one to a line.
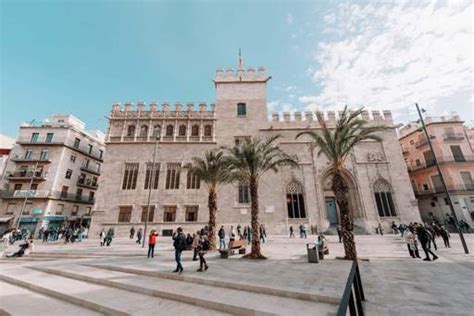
291,197
52,174
453,146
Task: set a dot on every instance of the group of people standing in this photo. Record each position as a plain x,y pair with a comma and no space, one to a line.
106,237
70,234
245,235
302,229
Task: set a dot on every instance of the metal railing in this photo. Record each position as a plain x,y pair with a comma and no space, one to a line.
441,159
87,183
451,188
353,295
72,197
453,136
35,158
24,193
26,174
91,170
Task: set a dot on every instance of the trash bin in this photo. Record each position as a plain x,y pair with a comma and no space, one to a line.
312,253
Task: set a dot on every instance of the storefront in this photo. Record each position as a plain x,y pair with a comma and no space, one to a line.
5,222
29,223
53,221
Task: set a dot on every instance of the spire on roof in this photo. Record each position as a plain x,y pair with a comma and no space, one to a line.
241,60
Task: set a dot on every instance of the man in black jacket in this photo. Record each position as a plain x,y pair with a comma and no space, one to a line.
424,236
179,245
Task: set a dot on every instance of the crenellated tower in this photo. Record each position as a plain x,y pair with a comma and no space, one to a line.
241,102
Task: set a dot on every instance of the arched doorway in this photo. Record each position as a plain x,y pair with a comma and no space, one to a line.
331,207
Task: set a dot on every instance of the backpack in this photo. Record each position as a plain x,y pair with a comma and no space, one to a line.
206,245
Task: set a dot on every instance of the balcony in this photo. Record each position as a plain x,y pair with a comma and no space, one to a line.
87,183
61,195
32,159
421,143
21,194
442,160
95,171
27,175
453,136
458,188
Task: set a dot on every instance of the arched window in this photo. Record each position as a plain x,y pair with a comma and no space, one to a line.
169,130
295,200
131,131
383,199
144,131
195,130
157,131
182,130
208,130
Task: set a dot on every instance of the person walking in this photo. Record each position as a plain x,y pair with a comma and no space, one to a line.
292,234
139,236
262,233
432,232
203,247
424,238
445,235
380,229
239,231
249,234
339,232
132,232
179,243
110,236
151,243
221,235
410,239
195,243
102,236
245,233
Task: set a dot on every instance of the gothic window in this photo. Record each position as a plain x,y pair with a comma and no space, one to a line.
193,181
295,200
195,130
131,131
191,213
244,193
156,131
383,199
169,130
208,130
172,176
144,131
152,175
130,176
182,130
241,109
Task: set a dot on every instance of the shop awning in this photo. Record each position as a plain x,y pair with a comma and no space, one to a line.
6,219
54,218
28,220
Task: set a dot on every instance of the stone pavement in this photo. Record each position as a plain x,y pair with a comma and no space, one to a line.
84,278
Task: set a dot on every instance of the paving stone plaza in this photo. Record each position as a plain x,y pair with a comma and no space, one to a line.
86,279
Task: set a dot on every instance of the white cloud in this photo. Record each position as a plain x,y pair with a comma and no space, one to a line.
394,54
289,19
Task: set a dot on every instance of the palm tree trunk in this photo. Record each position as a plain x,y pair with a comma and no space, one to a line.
212,205
255,252
341,190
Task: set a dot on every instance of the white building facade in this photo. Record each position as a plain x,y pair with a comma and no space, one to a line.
379,184
52,175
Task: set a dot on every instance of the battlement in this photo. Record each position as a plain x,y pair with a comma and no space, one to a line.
309,117
128,110
239,75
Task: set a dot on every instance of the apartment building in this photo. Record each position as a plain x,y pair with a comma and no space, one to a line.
52,175
453,147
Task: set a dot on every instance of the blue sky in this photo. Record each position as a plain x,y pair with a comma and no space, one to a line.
81,56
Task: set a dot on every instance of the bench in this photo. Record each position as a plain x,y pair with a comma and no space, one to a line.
233,246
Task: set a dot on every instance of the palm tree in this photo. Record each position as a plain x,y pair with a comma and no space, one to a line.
336,144
249,162
213,170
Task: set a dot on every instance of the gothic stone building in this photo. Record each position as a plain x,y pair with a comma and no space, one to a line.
380,188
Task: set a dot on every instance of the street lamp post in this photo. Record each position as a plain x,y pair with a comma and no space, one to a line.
443,183
26,197
150,182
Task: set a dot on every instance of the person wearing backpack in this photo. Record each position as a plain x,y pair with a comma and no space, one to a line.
203,247
179,246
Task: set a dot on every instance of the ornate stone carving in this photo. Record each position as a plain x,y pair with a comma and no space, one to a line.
375,157
382,186
294,187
